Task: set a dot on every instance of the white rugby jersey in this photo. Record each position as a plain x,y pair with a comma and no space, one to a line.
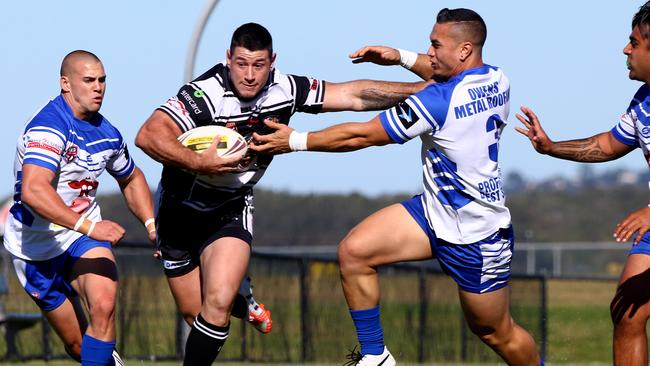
78,152
211,100
633,129
460,123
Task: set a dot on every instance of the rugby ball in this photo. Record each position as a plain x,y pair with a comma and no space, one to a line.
231,143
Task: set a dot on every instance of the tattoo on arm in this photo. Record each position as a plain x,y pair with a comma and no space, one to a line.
586,150
374,99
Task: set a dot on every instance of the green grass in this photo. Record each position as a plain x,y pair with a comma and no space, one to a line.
150,363
579,329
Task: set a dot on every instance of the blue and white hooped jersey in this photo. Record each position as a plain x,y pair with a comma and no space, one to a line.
633,129
77,152
460,123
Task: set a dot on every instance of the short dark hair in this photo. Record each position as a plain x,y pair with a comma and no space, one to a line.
70,58
253,37
642,20
476,29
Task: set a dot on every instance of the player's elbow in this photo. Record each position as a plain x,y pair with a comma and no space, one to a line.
144,139
29,194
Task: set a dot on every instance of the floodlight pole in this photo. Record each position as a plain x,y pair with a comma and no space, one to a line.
196,38
182,329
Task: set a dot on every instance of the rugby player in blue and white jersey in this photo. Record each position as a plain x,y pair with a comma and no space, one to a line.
211,200
630,307
460,219
60,245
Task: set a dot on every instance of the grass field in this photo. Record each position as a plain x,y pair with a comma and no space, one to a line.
579,328
149,363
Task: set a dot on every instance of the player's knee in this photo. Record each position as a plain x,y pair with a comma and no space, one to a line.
351,251
627,322
216,306
102,308
494,336
74,350
489,336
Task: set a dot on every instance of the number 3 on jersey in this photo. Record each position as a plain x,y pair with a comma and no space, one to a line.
494,123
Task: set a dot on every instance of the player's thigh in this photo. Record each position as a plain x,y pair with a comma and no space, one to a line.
633,291
94,276
68,321
223,265
389,235
186,290
486,312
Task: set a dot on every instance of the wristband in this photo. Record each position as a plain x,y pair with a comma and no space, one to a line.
407,58
90,230
149,222
79,223
298,141
85,226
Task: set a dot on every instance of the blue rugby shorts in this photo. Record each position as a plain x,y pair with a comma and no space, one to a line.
479,267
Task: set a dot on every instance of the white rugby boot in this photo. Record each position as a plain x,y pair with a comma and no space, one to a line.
117,359
384,359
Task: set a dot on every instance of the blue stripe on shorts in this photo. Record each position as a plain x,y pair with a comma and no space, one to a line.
479,267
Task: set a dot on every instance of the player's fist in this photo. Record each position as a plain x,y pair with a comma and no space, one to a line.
107,230
380,55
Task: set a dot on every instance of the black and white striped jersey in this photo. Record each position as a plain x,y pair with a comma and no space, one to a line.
211,100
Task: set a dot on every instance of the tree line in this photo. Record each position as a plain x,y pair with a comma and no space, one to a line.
539,214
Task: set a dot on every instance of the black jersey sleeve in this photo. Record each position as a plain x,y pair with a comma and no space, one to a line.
188,108
309,93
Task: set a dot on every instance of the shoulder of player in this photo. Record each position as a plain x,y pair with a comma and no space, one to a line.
52,115
641,97
291,82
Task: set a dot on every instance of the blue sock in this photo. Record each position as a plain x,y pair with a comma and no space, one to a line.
541,362
95,352
369,331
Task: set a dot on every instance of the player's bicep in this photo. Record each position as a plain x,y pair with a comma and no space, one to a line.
158,130
340,98
35,179
613,146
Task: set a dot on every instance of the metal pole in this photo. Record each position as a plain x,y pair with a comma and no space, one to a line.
196,38
305,354
422,281
544,316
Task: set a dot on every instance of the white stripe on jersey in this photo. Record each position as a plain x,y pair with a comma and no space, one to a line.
49,130
100,141
417,103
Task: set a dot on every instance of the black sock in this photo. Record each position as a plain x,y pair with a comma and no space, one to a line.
204,342
240,307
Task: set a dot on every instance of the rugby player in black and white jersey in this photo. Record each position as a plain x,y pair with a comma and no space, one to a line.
205,207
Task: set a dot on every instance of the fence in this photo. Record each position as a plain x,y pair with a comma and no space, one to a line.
422,319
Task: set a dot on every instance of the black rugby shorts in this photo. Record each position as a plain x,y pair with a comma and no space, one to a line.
184,232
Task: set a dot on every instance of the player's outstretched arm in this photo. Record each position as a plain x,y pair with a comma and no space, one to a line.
338,138
158,138
37,193
367,95
597,148
138,199
637,222
419,64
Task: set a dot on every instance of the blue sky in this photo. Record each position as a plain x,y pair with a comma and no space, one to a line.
564,59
